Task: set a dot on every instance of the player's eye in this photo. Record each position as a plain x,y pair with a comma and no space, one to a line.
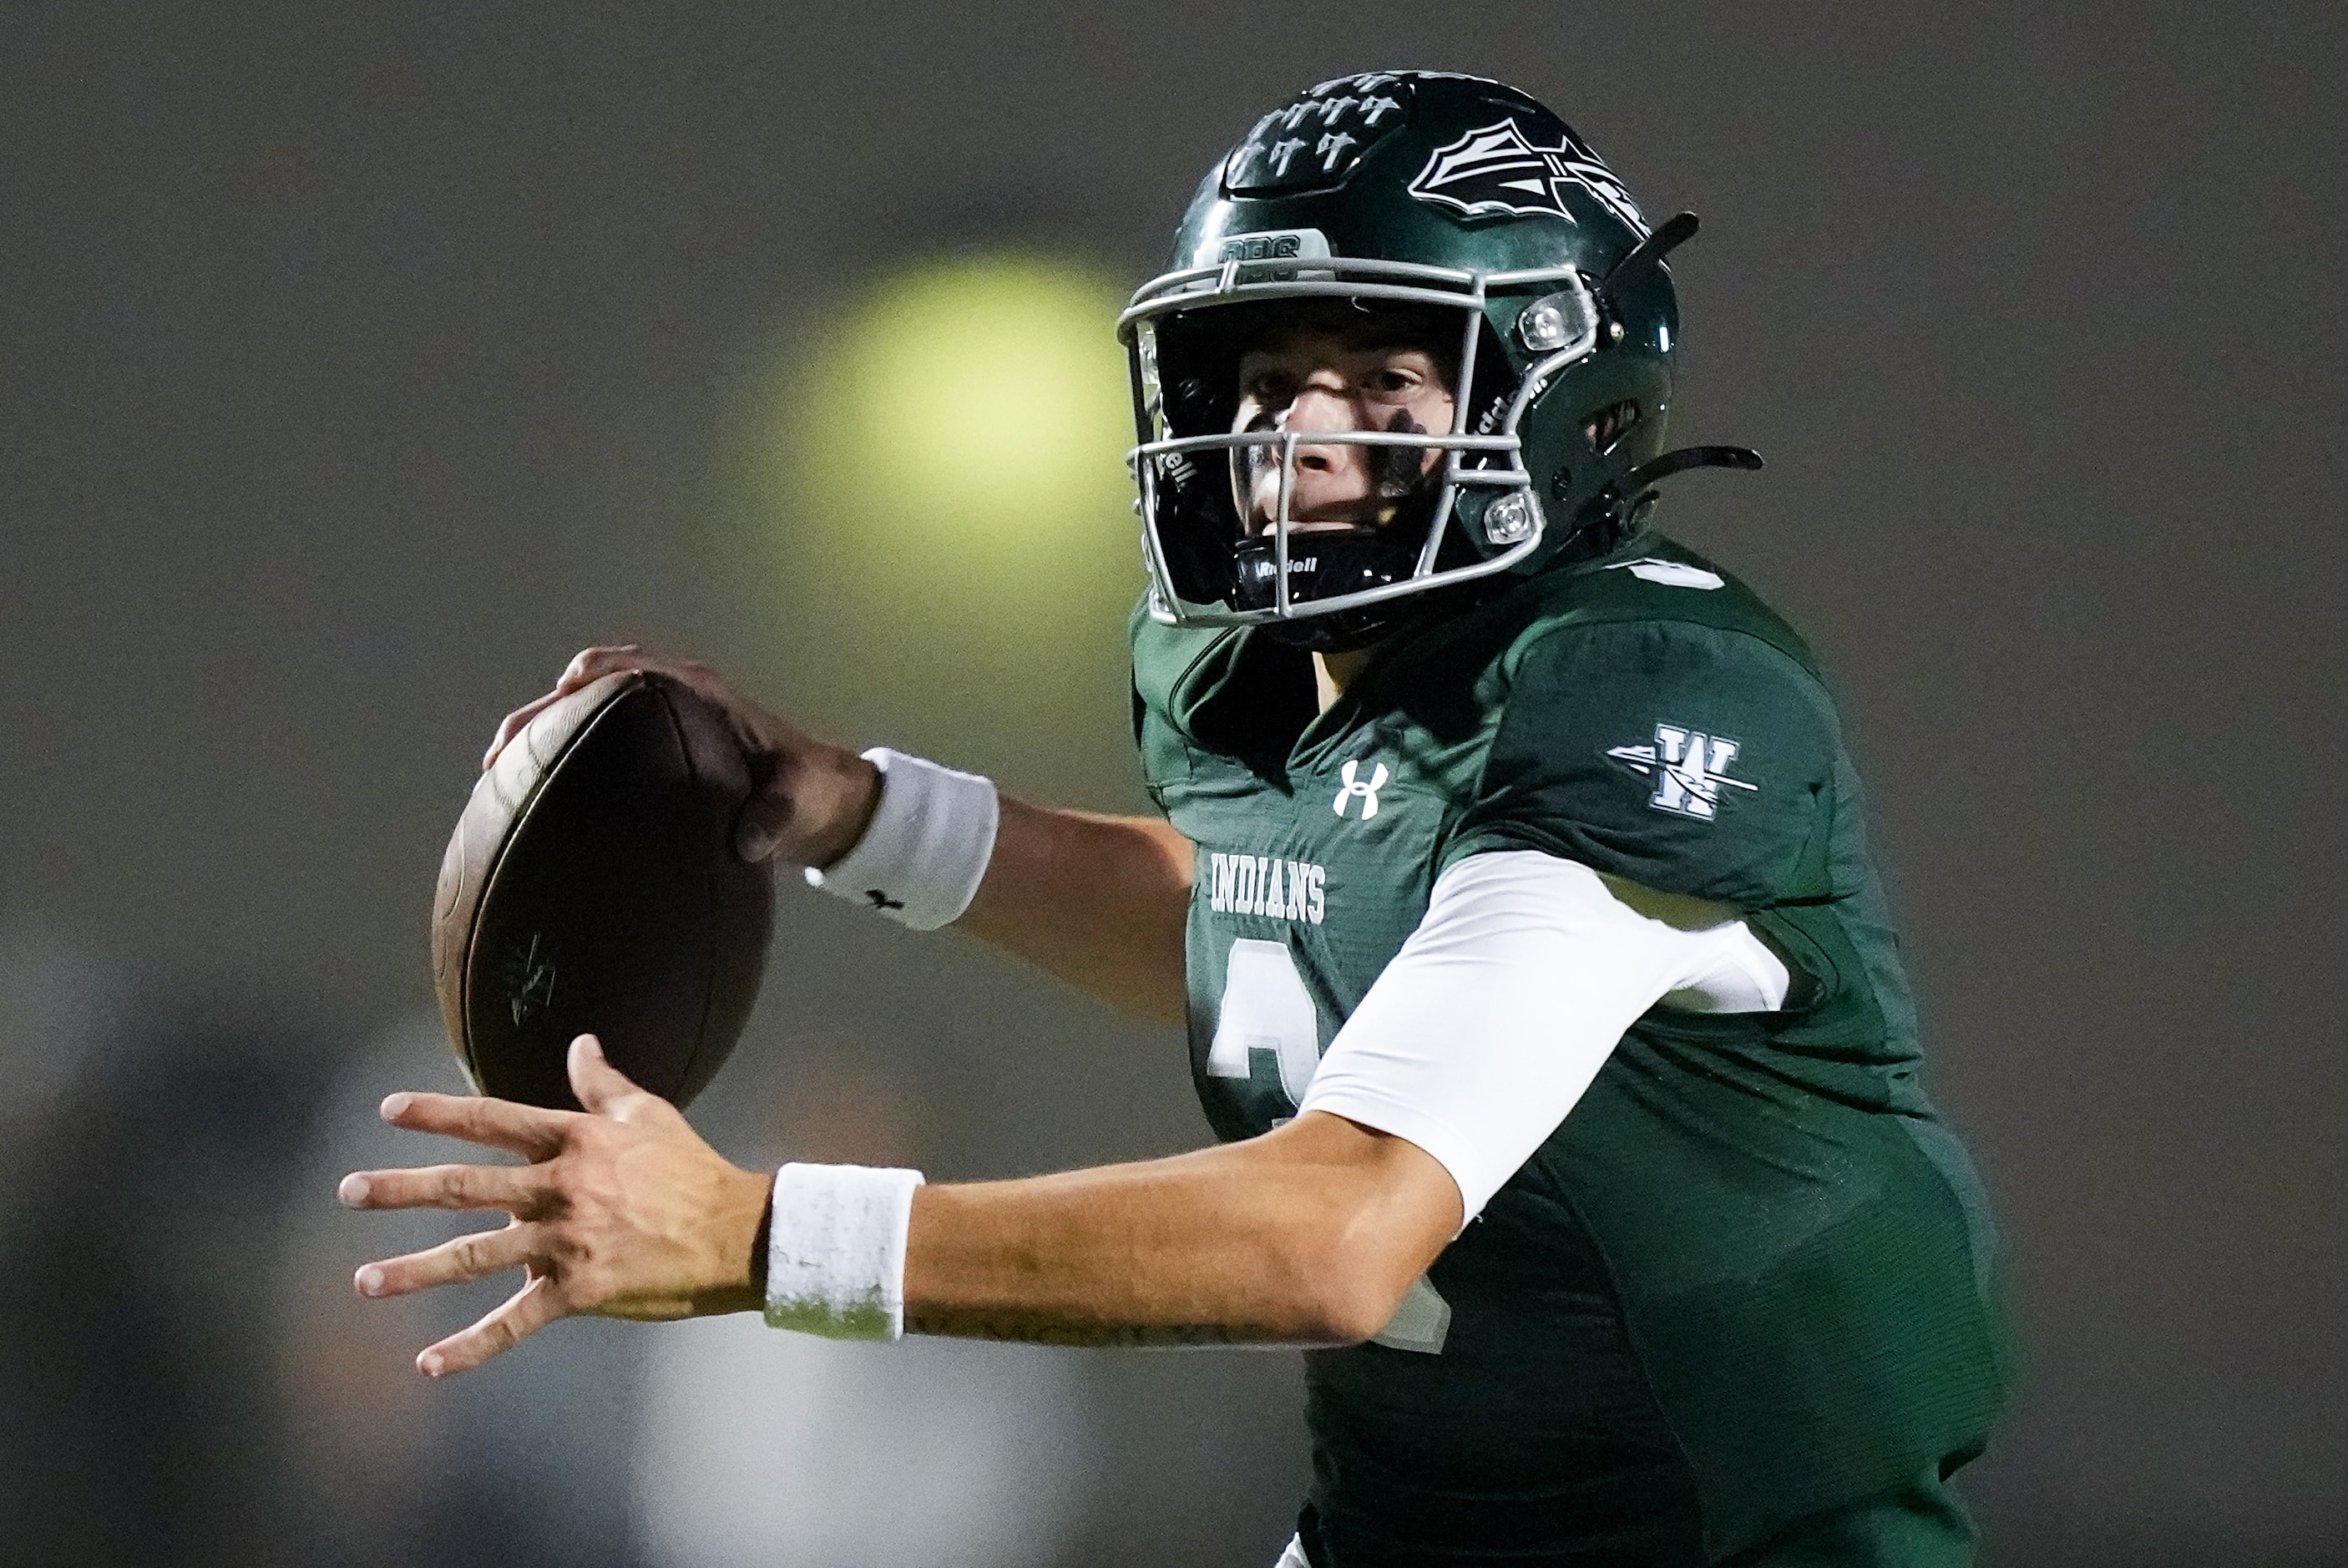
1270,388
1390,383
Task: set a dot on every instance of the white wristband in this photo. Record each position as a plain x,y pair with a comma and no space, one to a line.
921,860
836,1250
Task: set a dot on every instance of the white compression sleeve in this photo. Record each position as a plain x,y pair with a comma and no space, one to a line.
1500,1008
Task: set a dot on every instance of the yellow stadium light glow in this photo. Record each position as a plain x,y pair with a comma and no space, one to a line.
945,495
976,409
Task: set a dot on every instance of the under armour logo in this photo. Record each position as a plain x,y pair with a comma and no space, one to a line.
879,900
1689,768
1366,789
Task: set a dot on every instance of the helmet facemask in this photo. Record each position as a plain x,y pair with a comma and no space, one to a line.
1216,558
1402,484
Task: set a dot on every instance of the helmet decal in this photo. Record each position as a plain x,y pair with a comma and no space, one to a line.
1494,171
1318,141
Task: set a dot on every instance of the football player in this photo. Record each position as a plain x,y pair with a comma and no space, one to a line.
1511,880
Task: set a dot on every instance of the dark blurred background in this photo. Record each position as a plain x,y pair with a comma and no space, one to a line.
357,364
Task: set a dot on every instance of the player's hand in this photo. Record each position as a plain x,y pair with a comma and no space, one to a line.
623,1211
809,799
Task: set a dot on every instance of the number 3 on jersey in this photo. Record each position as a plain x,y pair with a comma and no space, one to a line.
1266,1028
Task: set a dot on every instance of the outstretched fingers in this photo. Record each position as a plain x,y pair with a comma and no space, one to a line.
475,1256
523,1314
528,1130
523,1190
609,1216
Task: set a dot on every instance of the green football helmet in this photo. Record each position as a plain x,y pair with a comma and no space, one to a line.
1465,210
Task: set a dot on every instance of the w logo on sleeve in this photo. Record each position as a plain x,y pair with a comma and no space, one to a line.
1354,786
1690,768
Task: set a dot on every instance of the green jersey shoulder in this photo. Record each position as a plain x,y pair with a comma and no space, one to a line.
1646,716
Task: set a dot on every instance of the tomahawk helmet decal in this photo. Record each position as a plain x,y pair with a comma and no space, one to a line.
1495,172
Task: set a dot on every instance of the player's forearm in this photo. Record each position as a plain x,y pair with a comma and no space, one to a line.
1308,1236
1099,901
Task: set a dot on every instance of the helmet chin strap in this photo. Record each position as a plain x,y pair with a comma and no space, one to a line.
1324,566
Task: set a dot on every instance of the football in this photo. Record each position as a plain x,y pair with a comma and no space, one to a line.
591,887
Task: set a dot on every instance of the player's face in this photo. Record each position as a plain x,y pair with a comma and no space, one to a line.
1311,378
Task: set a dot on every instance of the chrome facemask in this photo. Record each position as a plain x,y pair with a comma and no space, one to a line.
1198,579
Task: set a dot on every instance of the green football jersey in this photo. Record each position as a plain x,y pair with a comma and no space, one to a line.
1748,1277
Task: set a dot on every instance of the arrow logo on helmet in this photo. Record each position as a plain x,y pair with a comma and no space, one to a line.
1494,171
